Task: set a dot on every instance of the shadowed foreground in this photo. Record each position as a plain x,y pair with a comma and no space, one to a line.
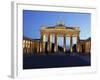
54,61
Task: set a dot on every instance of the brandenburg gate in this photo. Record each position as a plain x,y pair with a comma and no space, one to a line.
59,30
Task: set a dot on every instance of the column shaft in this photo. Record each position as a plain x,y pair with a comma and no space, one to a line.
48,45
71,44
77,46
64,49
43,42
55,46
49,42
40,46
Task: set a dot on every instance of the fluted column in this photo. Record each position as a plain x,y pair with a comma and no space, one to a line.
56,45
49,42
43,41
40,46
71,44
64,49
77,45
48,45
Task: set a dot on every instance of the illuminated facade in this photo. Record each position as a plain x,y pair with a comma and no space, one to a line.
31,45
45,42
85,45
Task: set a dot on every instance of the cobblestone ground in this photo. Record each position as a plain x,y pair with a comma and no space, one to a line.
56,60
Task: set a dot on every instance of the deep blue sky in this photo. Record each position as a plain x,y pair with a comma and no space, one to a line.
33,20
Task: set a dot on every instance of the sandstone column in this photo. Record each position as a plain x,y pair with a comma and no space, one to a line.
55,46
43,42
71,44
77,45
49,43
64,49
